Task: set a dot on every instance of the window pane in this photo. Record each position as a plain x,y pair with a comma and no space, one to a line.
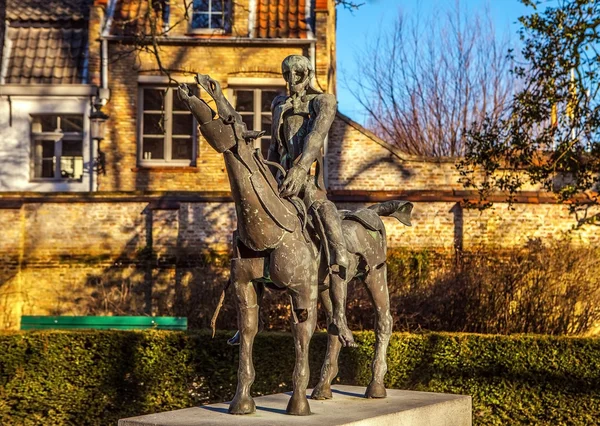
47,168
183,124
48,122
154,149
201,5
265,123
154,99
43,160
244,100
217,20
47,149
71,123
153,124
267,99
219,5
72,148
249,120
264,146
71,160
200,20
182,149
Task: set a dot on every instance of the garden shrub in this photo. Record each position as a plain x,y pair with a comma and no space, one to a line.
549,288
97,377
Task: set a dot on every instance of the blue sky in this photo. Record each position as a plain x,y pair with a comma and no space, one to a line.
355,28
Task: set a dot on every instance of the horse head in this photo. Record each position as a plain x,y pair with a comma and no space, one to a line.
222,132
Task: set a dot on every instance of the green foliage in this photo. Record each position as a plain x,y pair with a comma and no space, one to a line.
97,377
549,135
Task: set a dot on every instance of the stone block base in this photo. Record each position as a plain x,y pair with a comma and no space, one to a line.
348,407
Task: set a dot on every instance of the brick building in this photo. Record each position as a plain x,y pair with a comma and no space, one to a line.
84,224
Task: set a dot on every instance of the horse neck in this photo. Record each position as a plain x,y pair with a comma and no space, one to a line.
257,228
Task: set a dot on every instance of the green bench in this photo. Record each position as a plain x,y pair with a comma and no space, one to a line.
29,322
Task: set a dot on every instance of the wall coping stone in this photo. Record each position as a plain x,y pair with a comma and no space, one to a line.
14,200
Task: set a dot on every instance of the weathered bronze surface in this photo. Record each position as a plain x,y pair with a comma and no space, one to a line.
290,237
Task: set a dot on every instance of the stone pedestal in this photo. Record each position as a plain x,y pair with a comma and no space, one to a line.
348,407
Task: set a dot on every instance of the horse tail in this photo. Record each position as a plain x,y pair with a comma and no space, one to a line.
401,210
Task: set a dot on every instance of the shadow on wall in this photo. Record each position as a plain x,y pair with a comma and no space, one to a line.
167,269
14,259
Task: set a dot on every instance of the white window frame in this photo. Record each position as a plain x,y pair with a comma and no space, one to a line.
57,137
257,85
216,30
168,135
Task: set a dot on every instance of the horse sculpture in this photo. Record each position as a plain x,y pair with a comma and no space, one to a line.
277,245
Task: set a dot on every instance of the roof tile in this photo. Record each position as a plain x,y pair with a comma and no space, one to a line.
47,10
281,19
46,55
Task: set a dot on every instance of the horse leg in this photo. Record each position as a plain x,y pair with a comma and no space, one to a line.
339,326
376,282
242,272
304,322
330,366
260,291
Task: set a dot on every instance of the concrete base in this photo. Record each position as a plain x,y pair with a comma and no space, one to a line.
348,407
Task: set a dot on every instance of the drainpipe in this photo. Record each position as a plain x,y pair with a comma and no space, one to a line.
104,92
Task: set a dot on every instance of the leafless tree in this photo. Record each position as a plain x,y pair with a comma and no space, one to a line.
426,80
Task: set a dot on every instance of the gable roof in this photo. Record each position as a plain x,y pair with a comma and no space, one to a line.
46,41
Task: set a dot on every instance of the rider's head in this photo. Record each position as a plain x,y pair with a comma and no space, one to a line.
298,73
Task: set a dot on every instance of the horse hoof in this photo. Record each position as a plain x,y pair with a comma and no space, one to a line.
242,405
321,392
375,390
298,406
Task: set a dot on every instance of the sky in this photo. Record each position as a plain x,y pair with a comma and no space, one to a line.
354,29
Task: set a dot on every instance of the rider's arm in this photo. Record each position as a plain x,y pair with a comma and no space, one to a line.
325,107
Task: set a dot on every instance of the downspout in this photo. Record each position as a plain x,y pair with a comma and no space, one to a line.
104,92
103,95
6,47
252,19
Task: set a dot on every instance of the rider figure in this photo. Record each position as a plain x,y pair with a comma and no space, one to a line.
301,122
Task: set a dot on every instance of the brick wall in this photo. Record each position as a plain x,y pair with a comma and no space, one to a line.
138,254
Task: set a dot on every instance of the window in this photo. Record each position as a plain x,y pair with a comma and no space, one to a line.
211,15
167,128
254,105
57,147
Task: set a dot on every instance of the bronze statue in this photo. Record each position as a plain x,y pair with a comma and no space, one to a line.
284,233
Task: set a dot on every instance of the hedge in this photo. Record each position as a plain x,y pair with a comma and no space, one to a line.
97,377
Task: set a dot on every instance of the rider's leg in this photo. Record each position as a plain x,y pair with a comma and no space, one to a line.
332,225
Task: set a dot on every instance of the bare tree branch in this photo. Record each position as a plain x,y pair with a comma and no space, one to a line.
426,81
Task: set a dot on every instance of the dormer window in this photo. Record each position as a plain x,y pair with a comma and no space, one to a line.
211,16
